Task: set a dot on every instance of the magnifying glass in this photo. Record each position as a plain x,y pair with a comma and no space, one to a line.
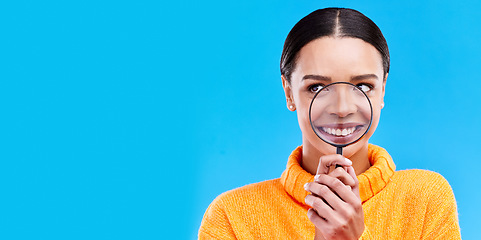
340,114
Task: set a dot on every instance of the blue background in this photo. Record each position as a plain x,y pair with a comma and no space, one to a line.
125,119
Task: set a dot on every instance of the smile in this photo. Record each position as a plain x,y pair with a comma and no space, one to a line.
339,131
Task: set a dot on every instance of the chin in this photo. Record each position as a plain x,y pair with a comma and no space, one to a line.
354,148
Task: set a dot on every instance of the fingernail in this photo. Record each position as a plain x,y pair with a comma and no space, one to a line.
307,200
348,161
305,186
316,177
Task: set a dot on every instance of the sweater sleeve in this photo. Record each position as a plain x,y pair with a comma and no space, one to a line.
215,224
441,219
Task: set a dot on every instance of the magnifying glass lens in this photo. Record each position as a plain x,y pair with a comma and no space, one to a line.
340,114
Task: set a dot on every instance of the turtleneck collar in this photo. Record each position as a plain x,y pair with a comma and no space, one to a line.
372,181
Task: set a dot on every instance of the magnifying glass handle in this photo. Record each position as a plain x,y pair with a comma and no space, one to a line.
339,151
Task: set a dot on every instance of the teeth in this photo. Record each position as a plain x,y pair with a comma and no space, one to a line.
339,132
328,130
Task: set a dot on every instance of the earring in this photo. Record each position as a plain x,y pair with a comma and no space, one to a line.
382,105
291,107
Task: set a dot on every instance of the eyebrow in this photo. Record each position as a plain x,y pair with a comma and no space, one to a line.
364,77
316,77
324,78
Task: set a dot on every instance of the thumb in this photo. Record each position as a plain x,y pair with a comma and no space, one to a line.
331,160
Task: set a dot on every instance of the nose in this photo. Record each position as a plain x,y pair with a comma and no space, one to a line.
343,103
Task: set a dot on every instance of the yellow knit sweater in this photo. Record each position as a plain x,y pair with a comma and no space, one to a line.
409,204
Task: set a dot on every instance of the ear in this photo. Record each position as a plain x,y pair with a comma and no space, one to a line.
383,90
288,91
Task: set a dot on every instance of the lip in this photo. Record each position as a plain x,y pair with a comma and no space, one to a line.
340,133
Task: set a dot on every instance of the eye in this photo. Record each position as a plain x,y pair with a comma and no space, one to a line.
364,87
315,87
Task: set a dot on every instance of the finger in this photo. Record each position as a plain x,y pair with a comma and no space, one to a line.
315,218
326,194
350,170
344,176
321,207
355,188
338,188
321,225
331,160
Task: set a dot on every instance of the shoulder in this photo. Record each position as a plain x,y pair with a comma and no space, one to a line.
229,208
422,184
421,178
244,194
428,196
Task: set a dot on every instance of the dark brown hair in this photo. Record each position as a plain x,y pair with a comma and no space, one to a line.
338,22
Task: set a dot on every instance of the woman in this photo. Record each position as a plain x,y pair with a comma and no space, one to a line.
365,198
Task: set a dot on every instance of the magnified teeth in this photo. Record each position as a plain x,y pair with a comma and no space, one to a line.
339,132
350,130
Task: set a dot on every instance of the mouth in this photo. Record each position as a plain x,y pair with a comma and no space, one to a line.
341,133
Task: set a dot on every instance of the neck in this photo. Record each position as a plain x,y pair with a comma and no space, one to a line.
311,156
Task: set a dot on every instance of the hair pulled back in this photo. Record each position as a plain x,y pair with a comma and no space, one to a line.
336,22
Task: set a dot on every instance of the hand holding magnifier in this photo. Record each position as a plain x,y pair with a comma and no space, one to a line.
340,114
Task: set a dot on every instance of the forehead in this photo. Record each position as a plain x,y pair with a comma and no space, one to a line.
336,57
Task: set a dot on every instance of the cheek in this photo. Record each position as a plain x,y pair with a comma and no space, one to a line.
302,105
376,114
375,121
303,117
306,129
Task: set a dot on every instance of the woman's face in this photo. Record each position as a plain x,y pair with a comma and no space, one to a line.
327,60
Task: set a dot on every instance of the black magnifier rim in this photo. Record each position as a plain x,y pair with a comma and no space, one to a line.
312,126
